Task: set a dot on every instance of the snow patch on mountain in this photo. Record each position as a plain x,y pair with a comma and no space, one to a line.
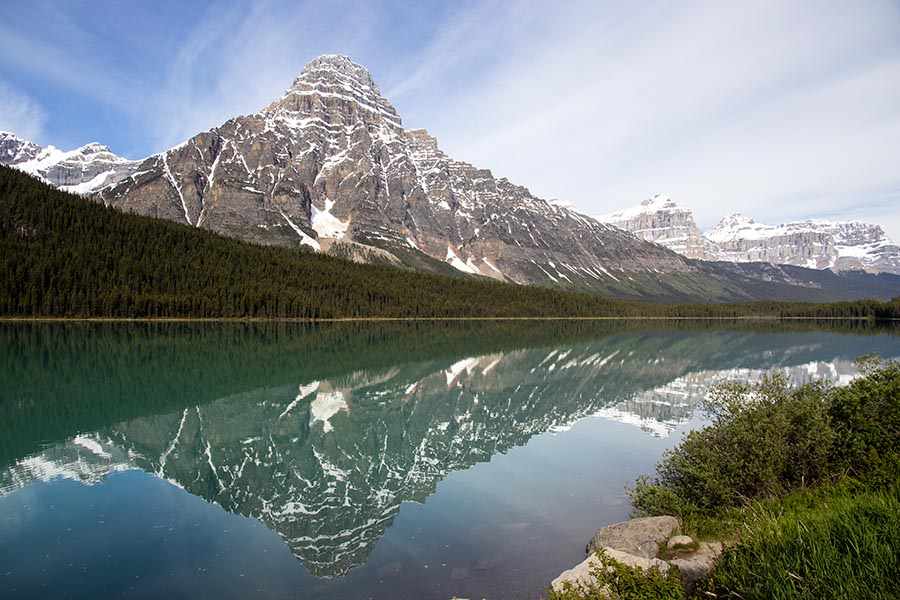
814,243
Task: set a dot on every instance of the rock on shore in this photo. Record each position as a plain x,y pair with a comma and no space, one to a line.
637,543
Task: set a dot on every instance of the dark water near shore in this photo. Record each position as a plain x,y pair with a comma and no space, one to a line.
391,460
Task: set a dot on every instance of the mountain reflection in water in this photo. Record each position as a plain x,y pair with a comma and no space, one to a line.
329,451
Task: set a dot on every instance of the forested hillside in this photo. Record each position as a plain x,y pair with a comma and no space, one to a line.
65,256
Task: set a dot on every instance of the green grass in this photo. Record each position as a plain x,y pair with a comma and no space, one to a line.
842,546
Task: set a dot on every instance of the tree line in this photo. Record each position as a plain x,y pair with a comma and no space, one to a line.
65,256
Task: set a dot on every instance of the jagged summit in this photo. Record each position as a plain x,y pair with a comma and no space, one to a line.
81,171
659,200
660,220
330,65
335,90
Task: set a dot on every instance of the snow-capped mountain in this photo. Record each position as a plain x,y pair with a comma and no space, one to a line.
660,220
813,244
329,166
80,171
816,244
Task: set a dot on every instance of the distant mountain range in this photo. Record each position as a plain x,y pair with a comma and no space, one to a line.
330,168
81,171
813,244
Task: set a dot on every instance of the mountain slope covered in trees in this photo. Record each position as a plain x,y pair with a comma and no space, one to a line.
64,256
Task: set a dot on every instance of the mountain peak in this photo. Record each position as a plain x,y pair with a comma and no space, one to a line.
659,201
732,220
334,88
337,67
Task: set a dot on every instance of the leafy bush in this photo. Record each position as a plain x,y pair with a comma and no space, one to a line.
866,417
764,441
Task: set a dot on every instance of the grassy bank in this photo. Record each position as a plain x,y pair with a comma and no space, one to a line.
802,484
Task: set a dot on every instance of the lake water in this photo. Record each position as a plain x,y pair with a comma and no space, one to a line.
396,460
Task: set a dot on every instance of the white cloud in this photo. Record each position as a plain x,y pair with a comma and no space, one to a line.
19,114
236,62
782,110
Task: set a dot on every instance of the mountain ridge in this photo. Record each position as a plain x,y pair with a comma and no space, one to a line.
813,243
329,167
83,170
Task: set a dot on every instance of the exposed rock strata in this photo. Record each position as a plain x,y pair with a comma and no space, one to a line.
331,162
660,220
814,244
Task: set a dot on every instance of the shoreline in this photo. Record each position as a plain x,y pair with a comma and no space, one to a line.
418,319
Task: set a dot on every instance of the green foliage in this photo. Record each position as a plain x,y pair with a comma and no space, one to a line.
65,256
774,467
837,545
867,419
618,581
765,441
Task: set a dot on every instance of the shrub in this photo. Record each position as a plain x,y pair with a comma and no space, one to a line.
764,441
866,417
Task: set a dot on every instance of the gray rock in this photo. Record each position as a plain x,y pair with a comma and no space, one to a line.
580,574
640,537
816,244
679,540
697,564
81,171
660,220
331,162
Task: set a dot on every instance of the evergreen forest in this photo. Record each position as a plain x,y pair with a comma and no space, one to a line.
69,257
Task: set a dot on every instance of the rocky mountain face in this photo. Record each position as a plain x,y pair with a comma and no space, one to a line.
660,220
329,166
816,244
813,244
80,171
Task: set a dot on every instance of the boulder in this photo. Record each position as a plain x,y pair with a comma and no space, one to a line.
696,565
640,537
581,573
679,540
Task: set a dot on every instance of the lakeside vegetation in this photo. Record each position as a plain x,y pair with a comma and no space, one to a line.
65,256
801,484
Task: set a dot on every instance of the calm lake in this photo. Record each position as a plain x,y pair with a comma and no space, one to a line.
348,460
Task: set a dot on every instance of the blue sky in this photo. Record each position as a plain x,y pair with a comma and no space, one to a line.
781,110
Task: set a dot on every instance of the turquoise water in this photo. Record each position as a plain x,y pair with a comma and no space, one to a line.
347,460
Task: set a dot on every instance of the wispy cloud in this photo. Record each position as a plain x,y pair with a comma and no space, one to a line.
20,114
781,110
241,58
